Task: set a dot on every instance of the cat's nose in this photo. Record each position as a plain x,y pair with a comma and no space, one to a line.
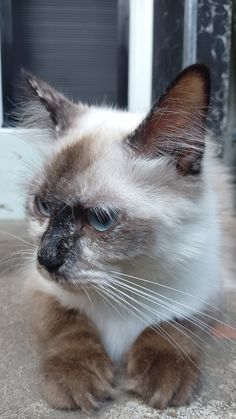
49,262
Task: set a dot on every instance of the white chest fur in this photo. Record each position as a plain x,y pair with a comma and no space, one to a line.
120,327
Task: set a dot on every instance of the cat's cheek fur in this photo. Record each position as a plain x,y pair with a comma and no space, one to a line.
37,228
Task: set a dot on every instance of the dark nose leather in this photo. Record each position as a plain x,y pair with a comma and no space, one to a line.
51,263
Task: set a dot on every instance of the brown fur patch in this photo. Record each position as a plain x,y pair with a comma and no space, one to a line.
74,156
75,370
161,373
72,159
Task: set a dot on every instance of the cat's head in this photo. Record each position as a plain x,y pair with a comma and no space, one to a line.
114,186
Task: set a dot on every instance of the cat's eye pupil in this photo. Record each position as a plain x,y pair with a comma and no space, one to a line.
42,207
101,220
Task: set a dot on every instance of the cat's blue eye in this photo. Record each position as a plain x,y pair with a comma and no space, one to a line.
41,207
101,220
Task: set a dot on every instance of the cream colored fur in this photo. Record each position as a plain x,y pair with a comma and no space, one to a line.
194,267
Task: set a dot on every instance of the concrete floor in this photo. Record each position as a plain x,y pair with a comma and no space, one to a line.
20,396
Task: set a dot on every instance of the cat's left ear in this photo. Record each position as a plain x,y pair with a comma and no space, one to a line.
175,126
47,107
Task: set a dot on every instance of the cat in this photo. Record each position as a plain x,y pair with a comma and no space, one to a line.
124,215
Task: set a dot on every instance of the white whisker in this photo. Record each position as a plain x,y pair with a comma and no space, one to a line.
101,292
191,319
16,237
89,298
159,328
181,292
157,312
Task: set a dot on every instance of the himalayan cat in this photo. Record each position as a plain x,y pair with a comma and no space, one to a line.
125,220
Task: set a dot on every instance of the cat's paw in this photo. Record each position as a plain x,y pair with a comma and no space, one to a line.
162,379
72,381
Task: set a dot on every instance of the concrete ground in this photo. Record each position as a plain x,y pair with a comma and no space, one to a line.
20,395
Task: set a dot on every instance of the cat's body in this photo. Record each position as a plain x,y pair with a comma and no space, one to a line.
156,265
170,271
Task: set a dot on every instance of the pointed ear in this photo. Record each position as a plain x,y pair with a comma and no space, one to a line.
175,126
55,111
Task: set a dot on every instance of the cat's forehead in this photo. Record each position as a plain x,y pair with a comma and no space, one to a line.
85,171
89,162
105,124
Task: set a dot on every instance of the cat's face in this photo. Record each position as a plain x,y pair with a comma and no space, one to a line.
83,206
112,188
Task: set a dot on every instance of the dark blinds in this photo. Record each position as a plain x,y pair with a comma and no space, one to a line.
72,44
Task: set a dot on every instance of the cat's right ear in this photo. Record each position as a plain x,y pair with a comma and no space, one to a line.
45,107
175,127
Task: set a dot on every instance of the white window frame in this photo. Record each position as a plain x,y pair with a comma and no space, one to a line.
140,55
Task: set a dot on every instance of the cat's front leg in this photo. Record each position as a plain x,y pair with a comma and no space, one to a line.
75,370
164,368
